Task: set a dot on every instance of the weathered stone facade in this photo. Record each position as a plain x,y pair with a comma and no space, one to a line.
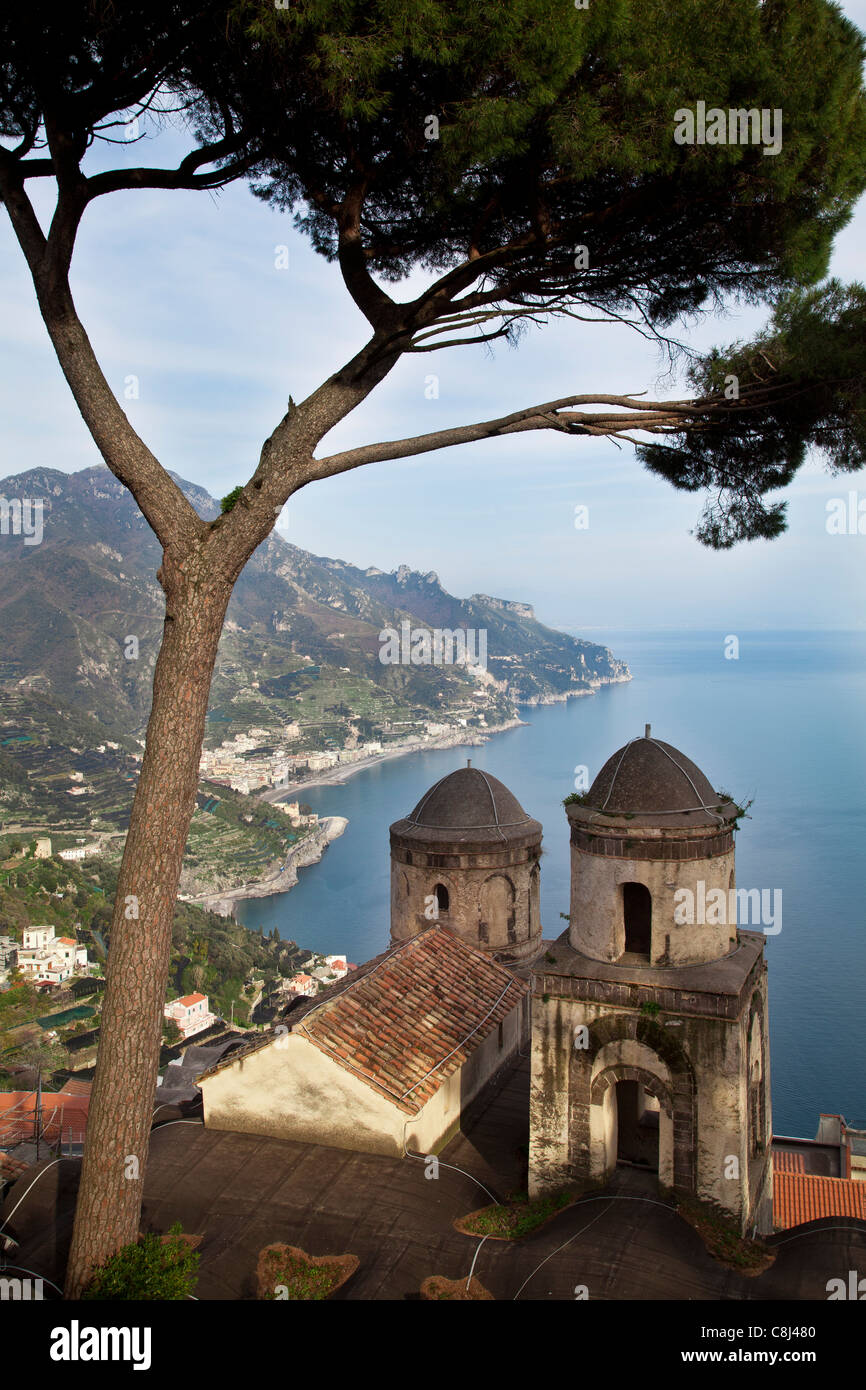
653,1049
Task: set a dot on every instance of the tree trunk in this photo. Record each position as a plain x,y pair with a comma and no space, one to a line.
121,1106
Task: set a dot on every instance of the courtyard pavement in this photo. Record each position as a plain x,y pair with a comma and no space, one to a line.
242,1192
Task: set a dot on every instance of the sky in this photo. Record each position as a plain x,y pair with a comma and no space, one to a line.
186,292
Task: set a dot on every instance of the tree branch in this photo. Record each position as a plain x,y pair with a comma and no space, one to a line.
378,308
172,518
653,416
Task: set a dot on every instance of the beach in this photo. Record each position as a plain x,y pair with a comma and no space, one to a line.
342,773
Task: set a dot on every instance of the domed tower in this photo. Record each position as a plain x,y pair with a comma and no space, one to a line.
650,1042
651,845
467,857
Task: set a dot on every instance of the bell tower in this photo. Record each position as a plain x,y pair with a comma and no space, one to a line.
650,1040
467,857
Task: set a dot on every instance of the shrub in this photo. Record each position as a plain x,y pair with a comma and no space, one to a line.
154,1269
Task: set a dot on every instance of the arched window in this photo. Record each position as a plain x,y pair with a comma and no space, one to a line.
442,897
756,1086
637,911
497,923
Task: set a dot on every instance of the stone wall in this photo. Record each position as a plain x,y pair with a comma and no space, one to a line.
695,1065
493,896
596,914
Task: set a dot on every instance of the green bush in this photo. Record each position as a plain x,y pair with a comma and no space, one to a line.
153,1269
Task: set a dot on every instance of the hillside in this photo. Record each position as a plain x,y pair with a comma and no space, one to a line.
298,624
298,673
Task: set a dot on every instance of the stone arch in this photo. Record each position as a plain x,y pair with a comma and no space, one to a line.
681,1095
605,1117
497,922
653,1085
534,898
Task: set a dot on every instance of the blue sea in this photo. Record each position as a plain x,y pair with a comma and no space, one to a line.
781,725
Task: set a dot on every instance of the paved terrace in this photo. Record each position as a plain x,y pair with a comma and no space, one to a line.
243,1192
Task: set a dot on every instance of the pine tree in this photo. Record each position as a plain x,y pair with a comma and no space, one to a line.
526,157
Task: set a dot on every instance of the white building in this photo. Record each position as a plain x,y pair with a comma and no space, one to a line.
191,1013
44,956
338,966
78,852
37,937
302,984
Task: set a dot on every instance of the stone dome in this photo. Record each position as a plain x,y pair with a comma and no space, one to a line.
469,855
651,783
468,804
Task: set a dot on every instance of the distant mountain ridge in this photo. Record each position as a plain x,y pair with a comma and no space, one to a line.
69,604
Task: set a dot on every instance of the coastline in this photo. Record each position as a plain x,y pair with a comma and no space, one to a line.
310,851
334,776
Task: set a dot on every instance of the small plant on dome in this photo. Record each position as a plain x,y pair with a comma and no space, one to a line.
725,799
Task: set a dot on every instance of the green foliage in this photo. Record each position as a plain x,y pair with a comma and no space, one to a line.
802,385
171,1032
303,1280
570,106
153,1269
519,1217
725,799
721,1235
230,499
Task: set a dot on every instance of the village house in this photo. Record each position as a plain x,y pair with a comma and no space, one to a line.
384,1061
45,956
302,984
191,1013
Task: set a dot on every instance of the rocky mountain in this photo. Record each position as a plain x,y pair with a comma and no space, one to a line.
297,622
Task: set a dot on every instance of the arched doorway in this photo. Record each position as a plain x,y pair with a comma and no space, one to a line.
637,1116
631,1123
637,911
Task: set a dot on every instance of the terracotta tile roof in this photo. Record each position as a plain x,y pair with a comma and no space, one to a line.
799,1197
59,1112
788,1162
410,1018
76,1087
189,999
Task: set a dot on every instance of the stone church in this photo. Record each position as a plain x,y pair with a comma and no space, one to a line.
647,1025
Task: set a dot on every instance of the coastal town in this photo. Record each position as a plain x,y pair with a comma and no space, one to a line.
258,760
